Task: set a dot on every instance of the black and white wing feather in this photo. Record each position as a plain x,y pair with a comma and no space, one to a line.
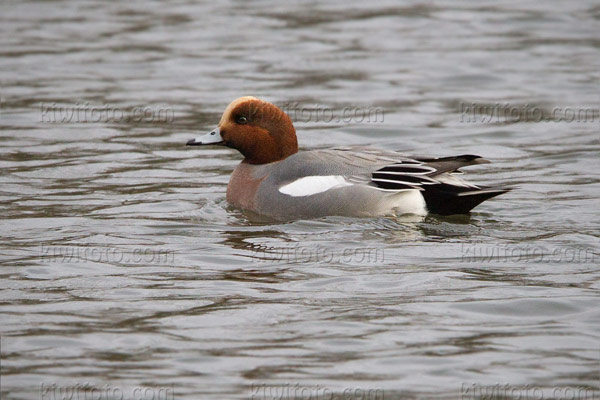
404,175
436,179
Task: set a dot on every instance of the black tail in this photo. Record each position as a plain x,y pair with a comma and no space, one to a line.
446,200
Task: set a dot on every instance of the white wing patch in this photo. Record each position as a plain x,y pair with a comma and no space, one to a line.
310,185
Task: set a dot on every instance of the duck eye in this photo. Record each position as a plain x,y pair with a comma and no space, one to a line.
240,119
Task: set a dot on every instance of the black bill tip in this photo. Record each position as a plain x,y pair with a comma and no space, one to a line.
193,142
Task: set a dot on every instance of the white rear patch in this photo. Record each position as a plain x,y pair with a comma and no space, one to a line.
310,185
408,202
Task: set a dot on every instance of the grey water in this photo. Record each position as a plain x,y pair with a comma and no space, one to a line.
125,274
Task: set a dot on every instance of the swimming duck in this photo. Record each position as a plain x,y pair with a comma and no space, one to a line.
277,180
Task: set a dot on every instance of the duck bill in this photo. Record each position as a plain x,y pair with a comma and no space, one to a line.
214,137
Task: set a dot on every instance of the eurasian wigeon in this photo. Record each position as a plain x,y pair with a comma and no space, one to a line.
276,180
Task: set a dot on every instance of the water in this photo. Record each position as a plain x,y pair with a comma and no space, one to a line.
123,266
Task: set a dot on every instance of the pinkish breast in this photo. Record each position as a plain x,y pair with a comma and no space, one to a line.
242,187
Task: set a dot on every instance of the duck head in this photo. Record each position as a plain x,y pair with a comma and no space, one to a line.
261,131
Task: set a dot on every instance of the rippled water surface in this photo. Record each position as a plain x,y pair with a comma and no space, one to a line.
123,265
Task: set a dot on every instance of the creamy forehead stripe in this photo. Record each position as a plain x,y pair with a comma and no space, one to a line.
234,104
310,185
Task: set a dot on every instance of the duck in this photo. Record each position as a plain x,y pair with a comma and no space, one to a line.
277,180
